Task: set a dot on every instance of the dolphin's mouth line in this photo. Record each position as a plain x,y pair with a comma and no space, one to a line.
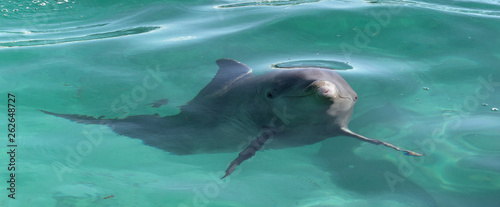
301,96
346,97
297,96
313,93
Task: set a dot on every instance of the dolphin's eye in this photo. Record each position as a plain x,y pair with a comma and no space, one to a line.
269,95
355,97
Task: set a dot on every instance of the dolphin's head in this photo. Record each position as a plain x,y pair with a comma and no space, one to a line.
316,96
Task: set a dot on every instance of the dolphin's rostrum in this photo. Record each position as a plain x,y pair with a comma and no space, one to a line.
283,108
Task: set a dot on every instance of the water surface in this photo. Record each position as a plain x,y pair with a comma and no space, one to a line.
426,72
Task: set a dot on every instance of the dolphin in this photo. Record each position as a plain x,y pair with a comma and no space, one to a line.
239,111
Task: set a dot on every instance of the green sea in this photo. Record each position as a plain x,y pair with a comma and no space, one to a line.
427,74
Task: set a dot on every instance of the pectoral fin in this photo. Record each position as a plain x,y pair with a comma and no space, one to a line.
254,146
349,133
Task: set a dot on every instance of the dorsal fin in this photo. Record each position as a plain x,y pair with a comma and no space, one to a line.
229,72
230,69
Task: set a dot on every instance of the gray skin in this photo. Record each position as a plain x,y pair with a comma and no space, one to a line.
237,109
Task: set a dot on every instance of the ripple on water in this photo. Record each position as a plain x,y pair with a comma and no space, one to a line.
327,64
482,142
481,162
267,3
96,36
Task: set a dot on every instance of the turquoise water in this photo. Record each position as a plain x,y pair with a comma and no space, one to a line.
427,74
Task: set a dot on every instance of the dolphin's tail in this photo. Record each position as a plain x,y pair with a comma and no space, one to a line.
82,119
164,133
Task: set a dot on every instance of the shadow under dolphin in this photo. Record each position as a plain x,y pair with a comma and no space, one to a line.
240,111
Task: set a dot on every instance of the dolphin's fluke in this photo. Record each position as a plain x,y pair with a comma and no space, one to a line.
349,133
78,118
248,152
